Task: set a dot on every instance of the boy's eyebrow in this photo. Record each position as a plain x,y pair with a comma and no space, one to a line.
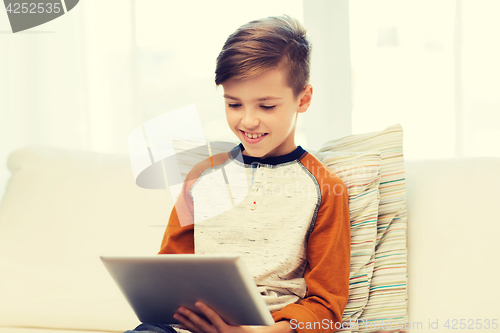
258,99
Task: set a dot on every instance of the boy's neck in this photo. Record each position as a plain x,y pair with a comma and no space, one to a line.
239,153
288,151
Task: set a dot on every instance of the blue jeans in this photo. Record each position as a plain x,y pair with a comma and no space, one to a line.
153,328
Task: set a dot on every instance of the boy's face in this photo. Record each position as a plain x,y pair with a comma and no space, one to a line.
264,107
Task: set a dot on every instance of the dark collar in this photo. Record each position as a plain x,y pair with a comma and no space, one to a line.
274,160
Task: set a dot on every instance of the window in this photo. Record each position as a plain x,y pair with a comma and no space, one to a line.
431,66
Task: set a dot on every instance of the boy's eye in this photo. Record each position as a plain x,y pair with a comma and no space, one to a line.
237,105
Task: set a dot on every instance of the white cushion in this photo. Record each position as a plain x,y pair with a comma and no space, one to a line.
61,211
453,243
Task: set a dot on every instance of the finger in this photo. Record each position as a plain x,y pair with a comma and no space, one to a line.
213,316
198,322
186,323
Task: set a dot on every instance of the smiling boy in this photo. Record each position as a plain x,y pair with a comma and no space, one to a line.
262,112
268,200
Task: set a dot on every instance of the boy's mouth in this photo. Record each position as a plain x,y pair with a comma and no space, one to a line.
253,135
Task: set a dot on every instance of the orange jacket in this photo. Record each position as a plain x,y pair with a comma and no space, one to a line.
328,245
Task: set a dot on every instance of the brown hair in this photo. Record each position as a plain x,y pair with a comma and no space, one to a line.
268,43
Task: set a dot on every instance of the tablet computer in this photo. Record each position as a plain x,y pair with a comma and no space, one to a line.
155,286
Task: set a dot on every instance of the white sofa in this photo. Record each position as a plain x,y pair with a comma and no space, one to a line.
63,209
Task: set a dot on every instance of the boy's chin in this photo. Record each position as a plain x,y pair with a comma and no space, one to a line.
259,153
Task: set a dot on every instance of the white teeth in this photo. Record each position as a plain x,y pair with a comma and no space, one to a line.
253,136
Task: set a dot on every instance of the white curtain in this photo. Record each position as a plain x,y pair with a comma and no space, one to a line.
329,116
431,66
85,80
70,83
479,64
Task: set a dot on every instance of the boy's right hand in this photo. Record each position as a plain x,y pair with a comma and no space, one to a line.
191,321
194,323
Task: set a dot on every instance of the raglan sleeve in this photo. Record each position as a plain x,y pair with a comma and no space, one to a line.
179,234
327,272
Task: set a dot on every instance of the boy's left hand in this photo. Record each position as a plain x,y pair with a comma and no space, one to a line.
194,323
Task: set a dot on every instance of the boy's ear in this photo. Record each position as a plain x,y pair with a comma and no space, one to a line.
305,98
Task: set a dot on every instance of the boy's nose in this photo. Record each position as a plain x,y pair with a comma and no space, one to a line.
250,120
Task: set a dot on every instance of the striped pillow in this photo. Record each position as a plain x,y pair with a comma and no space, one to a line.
360,172
386,309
